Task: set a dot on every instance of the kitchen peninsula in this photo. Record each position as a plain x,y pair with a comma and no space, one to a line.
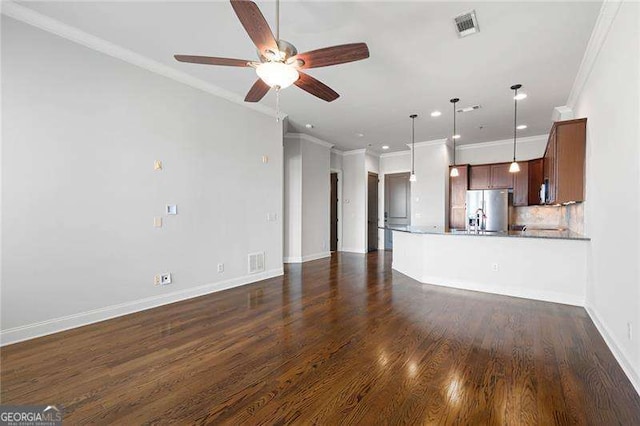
542,265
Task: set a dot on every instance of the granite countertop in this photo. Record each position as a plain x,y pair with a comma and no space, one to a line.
555,234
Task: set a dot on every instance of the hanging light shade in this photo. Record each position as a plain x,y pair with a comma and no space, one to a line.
413,178
515,167
454,170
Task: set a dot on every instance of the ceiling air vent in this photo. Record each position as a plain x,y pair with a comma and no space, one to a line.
469,108
466,24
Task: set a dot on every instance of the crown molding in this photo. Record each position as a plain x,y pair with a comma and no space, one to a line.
354,152
527,139
561,113
395,154
53,26
337,151
430,143
608,12
309,138
361,151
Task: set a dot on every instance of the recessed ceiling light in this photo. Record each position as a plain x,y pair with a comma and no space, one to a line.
520,96
436,114
309,126
521,127
360,135
385,146
456,136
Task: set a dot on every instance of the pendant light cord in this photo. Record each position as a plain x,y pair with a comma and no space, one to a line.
454,134
413,144
515,121
277,21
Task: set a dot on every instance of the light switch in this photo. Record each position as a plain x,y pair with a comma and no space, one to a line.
172,209
157,165
157,222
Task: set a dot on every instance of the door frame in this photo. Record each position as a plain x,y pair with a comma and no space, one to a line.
366,207
385,188
339,172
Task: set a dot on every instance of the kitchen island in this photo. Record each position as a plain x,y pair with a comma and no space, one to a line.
534,264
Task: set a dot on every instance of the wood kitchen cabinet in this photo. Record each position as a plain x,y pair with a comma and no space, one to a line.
500,176
480,177
521,185
458,197
490,176
564,161
536,179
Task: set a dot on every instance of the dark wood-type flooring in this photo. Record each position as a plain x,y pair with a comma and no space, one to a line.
337,341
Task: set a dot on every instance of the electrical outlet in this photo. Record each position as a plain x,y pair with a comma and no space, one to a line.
157,279
629,331
220,268
162,279
157,165
157,222
495,267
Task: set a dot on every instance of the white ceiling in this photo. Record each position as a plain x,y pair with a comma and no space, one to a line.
417,61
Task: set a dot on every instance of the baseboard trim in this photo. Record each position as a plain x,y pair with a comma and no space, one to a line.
307,258
55,325
353,250
614,347
544,296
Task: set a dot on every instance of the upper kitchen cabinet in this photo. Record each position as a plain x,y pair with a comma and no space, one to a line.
536,179
458,197
490,176
500,176
564,161
521,185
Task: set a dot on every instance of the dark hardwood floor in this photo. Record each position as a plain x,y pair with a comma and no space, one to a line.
341,340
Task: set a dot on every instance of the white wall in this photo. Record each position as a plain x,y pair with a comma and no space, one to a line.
610,101
435,259
79,193
315,200
292,199
354,202
527,148
307,187
429,193
336,160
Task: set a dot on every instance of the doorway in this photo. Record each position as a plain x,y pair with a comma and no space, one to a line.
397,204
372,211
333,224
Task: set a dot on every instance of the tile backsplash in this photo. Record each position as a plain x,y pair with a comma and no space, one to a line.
568,217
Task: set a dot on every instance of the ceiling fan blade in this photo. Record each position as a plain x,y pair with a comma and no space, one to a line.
256,26
334,55
257,91
210,60
316,87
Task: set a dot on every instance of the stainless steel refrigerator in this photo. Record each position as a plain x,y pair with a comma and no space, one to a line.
488,210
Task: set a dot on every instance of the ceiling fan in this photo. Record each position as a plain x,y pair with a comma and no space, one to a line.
280,64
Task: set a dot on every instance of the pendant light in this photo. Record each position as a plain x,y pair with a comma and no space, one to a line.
454,170
514,167
412,178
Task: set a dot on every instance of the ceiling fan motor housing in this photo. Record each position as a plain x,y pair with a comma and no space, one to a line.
287,51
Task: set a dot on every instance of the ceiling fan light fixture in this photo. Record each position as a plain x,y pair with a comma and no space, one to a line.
277,74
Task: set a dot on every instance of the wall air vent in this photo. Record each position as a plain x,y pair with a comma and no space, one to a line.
256,262
469,108
466,24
